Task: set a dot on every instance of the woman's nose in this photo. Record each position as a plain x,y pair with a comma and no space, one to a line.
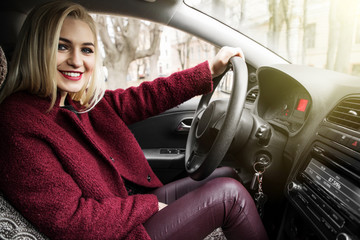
75,59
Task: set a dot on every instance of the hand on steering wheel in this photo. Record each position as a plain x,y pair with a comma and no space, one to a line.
221,60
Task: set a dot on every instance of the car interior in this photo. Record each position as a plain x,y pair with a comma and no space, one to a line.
291,131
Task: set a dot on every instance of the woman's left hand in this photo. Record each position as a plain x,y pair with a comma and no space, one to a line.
219,63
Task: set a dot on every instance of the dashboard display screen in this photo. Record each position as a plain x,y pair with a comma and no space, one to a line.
344,190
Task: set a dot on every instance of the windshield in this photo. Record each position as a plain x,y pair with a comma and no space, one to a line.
319,33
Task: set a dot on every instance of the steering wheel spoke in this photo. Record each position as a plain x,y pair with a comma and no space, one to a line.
194,162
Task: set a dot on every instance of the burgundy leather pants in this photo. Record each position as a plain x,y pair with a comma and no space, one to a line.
197,208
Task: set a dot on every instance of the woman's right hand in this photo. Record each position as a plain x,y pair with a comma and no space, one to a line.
220,61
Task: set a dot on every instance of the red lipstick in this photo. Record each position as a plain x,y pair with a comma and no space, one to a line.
71,75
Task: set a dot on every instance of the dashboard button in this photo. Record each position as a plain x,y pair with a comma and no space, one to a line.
318,150
313,196
354,144
342,139
327,225
301,197
337,219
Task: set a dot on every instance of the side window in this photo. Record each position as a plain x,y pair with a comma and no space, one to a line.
134,50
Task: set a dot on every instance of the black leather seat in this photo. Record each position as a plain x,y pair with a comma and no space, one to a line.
10,25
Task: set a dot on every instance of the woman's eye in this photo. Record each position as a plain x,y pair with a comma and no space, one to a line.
87,50
62,47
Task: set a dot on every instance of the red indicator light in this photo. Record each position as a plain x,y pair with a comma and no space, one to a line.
302,105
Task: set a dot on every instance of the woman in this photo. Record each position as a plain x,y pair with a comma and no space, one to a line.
72,167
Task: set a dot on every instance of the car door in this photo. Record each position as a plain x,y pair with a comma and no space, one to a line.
163,140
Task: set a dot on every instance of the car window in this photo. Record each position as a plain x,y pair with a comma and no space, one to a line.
319,33
134,50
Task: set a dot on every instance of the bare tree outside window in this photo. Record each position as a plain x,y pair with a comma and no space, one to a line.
341,31
123,44
357,34
319,33
136,50
310,34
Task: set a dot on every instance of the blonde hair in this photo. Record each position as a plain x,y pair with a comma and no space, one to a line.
33,66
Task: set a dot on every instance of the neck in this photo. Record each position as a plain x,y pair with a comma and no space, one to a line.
62,98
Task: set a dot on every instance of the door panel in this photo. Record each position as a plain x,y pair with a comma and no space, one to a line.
163,140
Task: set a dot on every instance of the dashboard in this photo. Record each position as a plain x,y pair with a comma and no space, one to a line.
319,111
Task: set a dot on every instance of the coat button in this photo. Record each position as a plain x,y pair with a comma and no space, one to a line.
148,178
112,159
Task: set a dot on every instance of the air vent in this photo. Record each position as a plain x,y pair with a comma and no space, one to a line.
347,113
252,95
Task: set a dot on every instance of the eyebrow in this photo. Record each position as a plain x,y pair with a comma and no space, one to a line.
68,41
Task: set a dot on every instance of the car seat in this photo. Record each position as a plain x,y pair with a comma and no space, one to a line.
10,25
12,224
3,67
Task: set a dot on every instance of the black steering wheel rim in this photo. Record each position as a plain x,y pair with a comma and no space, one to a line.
200,165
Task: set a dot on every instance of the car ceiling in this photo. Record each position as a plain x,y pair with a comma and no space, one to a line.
143,8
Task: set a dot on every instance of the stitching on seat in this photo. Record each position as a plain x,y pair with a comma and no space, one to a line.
3,66
14,226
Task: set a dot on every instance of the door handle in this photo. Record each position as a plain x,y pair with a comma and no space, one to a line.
184,125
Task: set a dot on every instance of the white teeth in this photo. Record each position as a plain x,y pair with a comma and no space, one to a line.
71,74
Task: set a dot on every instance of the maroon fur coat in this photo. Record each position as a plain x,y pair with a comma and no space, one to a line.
64,172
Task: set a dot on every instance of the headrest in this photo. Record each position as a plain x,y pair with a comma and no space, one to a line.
3,66
10,24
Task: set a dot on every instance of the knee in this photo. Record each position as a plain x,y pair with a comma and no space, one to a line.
231,188
233,185
236,198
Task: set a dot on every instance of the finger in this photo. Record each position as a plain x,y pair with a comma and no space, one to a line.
238,52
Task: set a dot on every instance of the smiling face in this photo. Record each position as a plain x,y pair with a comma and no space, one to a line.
75,56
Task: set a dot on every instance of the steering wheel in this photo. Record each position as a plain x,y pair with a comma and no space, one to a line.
213,129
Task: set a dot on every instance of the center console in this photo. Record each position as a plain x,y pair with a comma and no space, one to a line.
326,186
